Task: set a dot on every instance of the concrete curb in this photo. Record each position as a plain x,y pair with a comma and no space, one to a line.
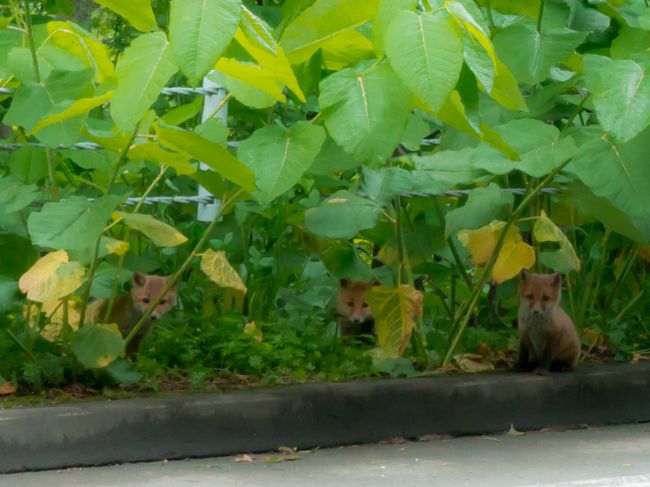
311,415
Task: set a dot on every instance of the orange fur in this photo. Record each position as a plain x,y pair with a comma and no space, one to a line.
546,333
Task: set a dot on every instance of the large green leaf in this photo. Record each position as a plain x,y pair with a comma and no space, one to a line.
365,110
386,10
206,151
538,144
621,94
141,74
96,346
427,54
342,215
620,173
321,22
14,195
440,171
483,205
199,31
531,54
29,164
280,157
137,12
73,223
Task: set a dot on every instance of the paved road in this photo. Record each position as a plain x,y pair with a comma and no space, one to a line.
608,456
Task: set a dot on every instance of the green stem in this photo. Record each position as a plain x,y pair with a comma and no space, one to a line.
619,282
489,14
171,282
452,247
127,235
400,241
20,344
95,260
30,39
540,16
49,153
467,311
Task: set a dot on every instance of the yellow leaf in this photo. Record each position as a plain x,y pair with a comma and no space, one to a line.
159,232
252,75
482,241
257,40
78,107
514,257
117,247
154,152
218,269
74,40
345,49
54,310
52,277
565,258
394,310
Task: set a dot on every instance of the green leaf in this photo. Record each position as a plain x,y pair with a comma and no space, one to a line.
442,170
564,259
483,205
365,110
30,103
321,22
73,223
393,310
538,144
386,11
530,54
618,172
137,12
66,110
254,76
206,151
342,215
427,54
123,371
141,74
29,164
280,157
14,195
199,32
383,185
160,233
96,346
183,113
154,152
215,265
621,94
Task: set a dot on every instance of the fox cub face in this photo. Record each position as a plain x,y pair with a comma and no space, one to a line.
352,300
146,289
539,293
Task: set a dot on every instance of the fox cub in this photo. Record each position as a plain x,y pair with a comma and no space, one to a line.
129,308
355,316
547,336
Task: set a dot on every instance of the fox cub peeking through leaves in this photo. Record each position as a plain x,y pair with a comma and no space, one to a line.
547,337
129,308
355,316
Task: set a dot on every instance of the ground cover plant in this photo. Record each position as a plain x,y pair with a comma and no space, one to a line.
455,142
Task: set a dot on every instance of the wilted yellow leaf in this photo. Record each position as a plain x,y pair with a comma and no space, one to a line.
482,241
159,232
513,257
473,362
394,310
52,277
564,259
117,247
54,310
218,269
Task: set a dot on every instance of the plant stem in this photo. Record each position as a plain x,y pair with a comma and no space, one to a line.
127,235
619,282
95,260
452,247
487,271
20,344
540,16
220,105
171,282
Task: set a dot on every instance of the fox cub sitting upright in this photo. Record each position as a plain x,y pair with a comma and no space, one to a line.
129,308
547,336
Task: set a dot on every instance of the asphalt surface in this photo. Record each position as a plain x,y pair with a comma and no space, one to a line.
595,456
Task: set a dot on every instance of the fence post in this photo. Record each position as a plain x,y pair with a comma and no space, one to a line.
207,211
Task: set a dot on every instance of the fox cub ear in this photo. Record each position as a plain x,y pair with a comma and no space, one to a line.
524,275
344,283
139,279
556,280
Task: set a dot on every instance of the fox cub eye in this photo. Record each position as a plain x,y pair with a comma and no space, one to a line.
545,298
145,300
365,305
162,301
350,303
529,296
